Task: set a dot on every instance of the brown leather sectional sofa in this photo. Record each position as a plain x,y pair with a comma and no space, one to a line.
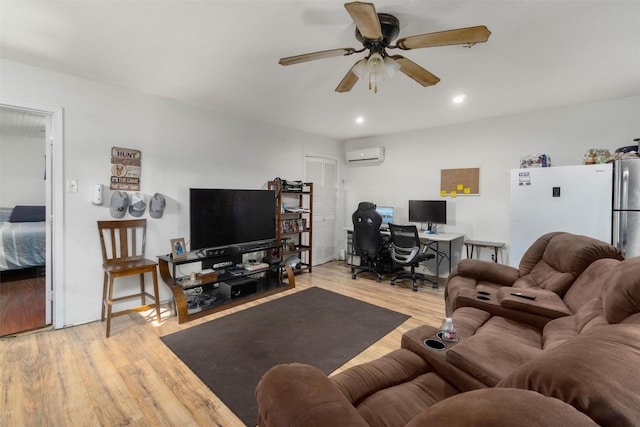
578,367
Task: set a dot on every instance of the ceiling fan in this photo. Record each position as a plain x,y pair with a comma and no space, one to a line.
376,31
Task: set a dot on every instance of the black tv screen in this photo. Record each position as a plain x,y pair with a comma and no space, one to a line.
429,211
220,217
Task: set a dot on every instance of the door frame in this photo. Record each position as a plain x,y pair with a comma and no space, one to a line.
54,188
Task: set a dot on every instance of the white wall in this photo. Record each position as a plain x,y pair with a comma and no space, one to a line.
182,146
21,171
413,161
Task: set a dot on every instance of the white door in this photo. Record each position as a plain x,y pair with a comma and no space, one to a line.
323,172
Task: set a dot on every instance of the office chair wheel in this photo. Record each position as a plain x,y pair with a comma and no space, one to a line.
353,276
378,279
415,287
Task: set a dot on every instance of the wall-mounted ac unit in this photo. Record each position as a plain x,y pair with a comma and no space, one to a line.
365,155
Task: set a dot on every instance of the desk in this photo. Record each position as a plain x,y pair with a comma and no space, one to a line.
481,244
432,241
435,239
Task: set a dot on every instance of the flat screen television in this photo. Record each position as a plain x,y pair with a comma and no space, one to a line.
428,211
220,217
386,212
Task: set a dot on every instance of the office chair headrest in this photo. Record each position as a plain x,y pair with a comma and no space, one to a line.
366,205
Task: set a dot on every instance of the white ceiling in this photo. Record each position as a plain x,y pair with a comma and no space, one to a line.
223,55
20,122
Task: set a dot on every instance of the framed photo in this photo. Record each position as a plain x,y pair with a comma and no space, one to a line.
178,249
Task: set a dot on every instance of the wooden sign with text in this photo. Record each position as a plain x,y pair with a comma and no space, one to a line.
125,169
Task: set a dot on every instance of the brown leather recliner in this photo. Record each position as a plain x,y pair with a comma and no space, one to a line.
492,347
578,370
588,381
548,269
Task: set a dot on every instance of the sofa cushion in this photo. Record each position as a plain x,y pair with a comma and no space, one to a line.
622,297
397,367
595,372
501,407
393,389
534,253
564,258
483,271
545,276
590,283
400,404
497,349
467,320
558,331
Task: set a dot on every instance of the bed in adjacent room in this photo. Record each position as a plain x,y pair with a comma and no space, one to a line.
22,237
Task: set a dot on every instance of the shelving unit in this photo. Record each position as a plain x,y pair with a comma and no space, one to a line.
294,222
229,286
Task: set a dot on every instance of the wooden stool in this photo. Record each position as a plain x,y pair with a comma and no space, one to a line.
123,245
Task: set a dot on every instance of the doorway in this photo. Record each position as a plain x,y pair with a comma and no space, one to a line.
26,284
323,172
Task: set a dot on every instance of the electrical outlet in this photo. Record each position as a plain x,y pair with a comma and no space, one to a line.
72,186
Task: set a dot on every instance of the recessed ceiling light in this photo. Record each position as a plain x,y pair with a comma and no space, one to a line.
459,99
360,120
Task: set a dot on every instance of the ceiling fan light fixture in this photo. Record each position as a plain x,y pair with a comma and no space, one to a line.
360,69
391,66
375,64
377,68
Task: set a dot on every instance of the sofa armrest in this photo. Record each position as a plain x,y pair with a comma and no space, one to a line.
302,395
501,408
545,303
487,271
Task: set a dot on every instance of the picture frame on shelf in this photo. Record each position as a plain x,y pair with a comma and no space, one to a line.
178,249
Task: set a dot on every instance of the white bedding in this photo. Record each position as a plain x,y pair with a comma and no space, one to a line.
22,245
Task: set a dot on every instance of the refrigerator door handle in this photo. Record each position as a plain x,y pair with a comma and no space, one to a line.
622,232
624,191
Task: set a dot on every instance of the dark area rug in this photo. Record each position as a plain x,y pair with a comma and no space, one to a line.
314,326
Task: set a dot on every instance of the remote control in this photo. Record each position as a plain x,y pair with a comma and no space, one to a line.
518,294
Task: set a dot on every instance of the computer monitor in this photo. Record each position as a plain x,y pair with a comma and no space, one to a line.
428,211
386,212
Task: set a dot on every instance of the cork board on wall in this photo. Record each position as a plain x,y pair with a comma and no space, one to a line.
454,182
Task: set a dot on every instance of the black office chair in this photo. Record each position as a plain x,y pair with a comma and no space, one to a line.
367,241
406,251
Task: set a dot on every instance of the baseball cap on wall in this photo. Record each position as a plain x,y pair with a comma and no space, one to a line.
119,204
138,205
157,205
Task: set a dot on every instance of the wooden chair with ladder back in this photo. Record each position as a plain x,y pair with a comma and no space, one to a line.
123,244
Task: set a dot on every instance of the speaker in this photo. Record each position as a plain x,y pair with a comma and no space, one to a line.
238,288
97,194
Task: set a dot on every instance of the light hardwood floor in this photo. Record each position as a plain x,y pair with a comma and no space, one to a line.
76,376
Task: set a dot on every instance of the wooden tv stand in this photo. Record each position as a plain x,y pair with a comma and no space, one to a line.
231,286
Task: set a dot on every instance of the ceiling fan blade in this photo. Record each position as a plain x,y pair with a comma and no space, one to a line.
416,72
348,81
470,35
365,17
290,60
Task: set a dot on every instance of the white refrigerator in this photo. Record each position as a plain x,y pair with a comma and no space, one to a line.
575,199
